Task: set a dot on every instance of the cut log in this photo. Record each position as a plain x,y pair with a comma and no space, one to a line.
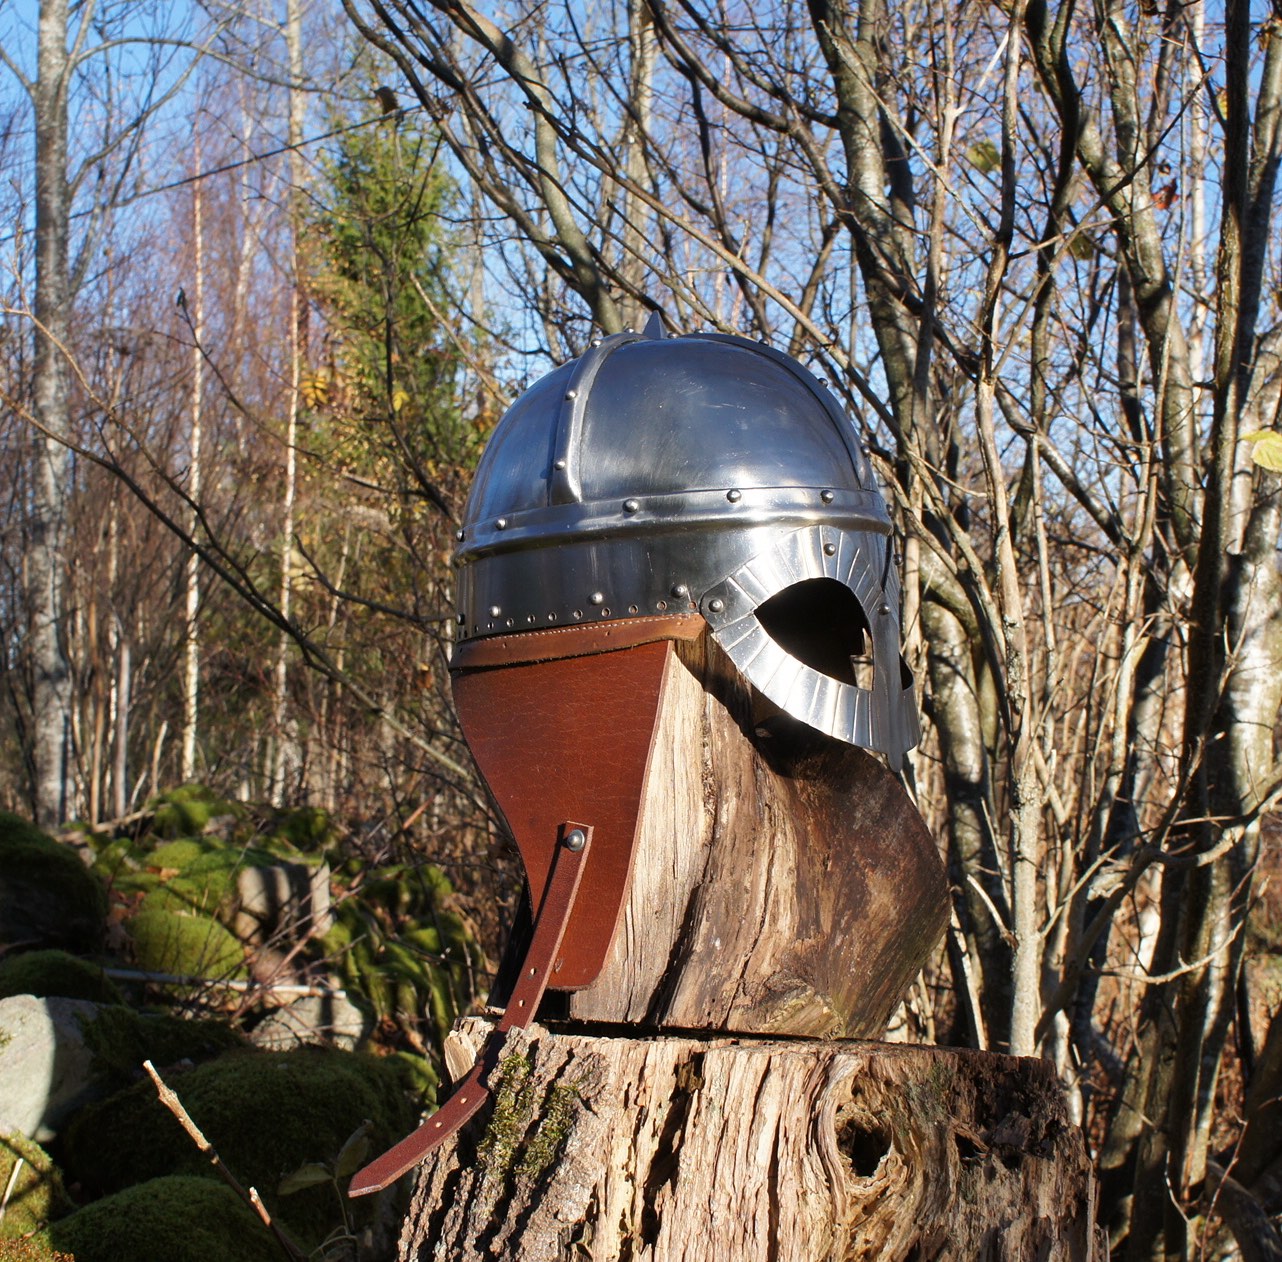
784,883
722,1149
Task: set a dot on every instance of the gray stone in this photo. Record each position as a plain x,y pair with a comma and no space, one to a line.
329,1020
46,1071
283,899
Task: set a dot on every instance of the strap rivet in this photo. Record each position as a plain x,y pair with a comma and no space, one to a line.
575,840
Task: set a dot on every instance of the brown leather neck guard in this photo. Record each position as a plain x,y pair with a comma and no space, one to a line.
561,723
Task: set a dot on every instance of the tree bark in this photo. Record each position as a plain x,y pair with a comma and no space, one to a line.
45,564
783,883
722,1149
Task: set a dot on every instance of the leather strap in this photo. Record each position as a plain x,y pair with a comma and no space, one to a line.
542,960
578,640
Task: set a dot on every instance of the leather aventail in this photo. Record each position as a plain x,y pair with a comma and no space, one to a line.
570,739
541,961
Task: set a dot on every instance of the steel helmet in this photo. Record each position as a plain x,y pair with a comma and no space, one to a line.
659,475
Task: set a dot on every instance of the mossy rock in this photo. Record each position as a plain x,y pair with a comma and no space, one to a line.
174,1218
36,1196
186,945
121,1039
54,972
48,897
186,810
267,1113
206,880
309,828
177,854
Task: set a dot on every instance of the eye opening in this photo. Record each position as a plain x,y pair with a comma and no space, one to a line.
821,623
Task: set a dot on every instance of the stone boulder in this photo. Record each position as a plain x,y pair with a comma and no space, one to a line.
46,1068
48,898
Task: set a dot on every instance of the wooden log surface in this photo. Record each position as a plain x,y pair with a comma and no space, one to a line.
783,883
720,1149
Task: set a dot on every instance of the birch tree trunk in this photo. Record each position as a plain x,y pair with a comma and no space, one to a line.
46,567
191,647
286,752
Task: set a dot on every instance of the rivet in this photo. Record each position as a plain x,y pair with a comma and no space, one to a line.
830,549
578,615
605,611
551,617
560,464
661,605
575,840
680,589
571,394
632,608
763,341
827,496
596,341
509,622
597,598
629,329
460,535
500,523
884,609
716,604
631,506
495,610
734,496
823,381
529,617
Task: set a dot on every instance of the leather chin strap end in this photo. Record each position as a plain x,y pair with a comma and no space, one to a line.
568,859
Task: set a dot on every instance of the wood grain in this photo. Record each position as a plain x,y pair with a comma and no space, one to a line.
672,1149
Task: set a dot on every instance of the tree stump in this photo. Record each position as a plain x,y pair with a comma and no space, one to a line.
737,1149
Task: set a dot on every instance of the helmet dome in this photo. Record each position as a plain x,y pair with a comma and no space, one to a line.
654,476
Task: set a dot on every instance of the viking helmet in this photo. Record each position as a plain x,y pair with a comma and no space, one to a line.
655,476
650,487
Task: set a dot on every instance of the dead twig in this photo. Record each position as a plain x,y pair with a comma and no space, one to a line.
250,1196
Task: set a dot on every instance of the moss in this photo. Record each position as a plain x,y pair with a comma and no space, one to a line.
555,1119
510,1145
265,1113
513,1112
121,1039
47,895
189,945
185,811
176,854
176,1218
36,1195
54,972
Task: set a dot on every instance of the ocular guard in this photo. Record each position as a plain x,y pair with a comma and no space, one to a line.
654,476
